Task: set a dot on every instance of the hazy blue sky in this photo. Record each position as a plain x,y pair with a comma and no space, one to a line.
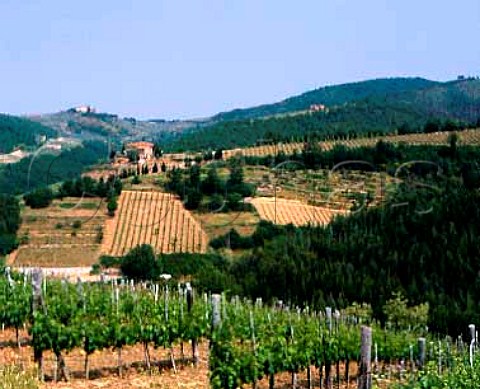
178,58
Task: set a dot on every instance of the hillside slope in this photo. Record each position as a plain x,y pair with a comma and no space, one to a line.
16,131
378,113
330,96
88,126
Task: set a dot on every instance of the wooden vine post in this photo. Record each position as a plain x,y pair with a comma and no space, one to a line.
471,328
189,309
254,347
421,352
38,303
328,363
216,318
365,372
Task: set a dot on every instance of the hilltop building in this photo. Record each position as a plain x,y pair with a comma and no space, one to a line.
85,109
318,108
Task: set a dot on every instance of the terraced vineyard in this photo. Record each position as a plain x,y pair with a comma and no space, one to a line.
284,211
467,137
154,218
68,233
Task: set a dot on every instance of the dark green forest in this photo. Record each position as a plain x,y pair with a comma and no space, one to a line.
15,131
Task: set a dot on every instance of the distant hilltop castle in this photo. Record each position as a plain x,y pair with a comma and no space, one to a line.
84,109
318,108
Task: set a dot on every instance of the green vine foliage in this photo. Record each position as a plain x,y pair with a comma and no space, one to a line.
251,342
461,376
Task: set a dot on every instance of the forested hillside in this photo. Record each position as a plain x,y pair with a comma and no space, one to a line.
47,168
330,96
15,131
401,111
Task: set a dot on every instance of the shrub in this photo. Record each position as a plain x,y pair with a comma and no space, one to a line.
96,269
77,224
39,198
25,238
140,263
99,237
107,261
112,205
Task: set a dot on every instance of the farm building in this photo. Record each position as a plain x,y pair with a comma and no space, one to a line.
144,149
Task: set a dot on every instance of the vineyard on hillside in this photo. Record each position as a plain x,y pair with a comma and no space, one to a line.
334,189
282,211
68,233
467,137
154,218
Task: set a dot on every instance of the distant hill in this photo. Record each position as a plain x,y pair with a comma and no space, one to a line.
16,132
98,126
455,99
330,96
377,106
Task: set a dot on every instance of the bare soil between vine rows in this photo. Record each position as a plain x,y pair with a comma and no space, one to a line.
104,368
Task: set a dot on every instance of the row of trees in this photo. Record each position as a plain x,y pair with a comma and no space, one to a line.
450,159
89,187
80,187
209,271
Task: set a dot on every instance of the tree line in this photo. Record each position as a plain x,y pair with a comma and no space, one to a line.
80,187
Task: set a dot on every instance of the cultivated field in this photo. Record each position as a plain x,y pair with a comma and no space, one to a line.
66,234
154,218
219,223
467,137
336,189
282,211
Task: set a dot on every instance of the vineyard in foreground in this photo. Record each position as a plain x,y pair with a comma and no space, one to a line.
154,218
282,211
466,137
248,341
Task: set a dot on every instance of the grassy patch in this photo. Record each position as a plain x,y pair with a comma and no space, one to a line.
80,205
12,377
